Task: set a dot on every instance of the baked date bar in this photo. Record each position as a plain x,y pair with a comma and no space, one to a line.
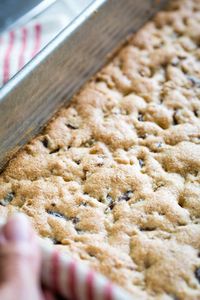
114,178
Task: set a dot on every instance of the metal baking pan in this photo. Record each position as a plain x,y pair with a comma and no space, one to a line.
31,97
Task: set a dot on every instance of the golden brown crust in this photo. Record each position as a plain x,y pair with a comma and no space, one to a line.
115,177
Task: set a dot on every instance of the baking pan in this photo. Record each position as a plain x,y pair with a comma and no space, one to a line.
31,97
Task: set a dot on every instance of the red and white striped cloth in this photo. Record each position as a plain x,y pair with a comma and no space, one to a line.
17,47
73,280
20,44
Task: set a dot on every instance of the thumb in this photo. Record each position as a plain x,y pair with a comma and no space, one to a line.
19,253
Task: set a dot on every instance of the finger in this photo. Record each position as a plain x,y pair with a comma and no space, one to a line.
17,229
19,253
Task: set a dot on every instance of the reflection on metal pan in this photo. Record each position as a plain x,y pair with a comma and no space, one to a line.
13,13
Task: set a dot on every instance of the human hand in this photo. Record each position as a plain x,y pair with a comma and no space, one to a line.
20,261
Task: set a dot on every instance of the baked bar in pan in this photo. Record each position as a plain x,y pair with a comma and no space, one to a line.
114,178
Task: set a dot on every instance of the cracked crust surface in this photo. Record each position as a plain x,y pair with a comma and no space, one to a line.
114,179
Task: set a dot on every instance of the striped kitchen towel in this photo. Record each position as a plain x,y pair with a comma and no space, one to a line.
17,47
73,280
20,44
